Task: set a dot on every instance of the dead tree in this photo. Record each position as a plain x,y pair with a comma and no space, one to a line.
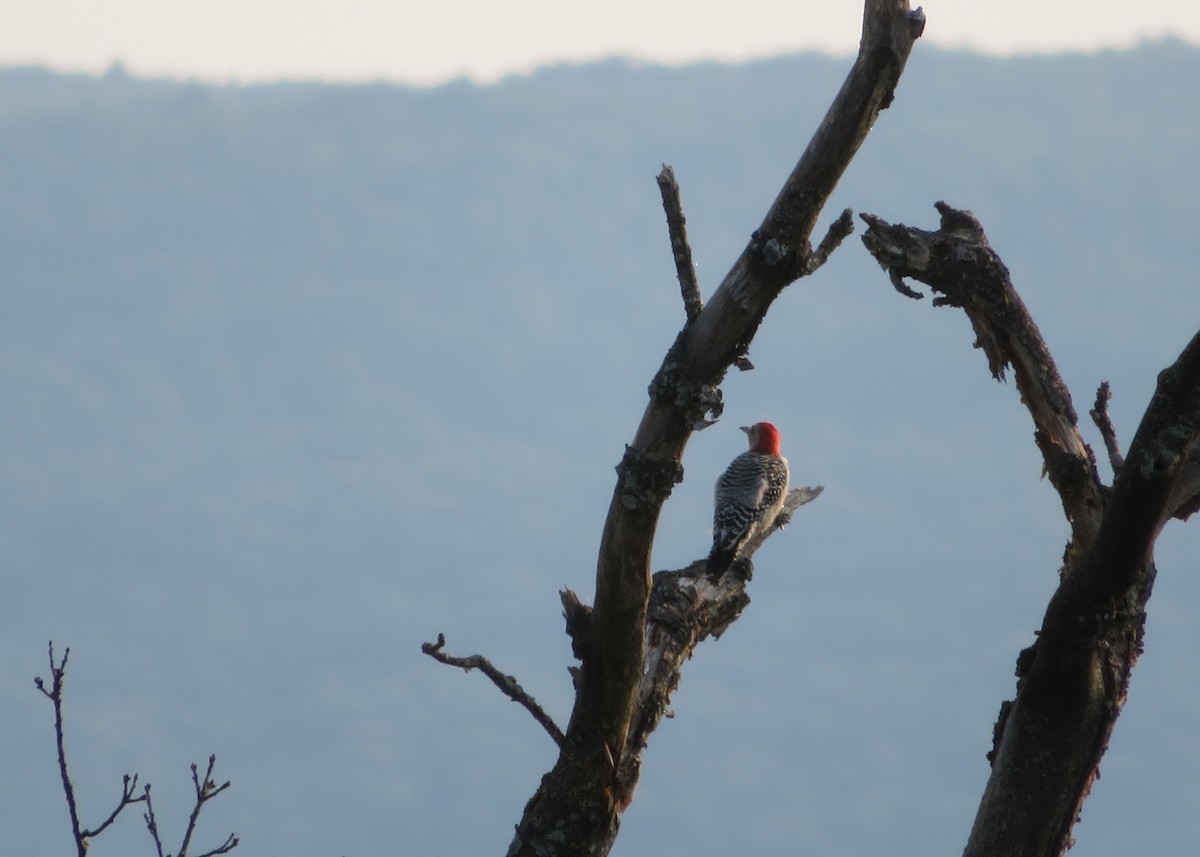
1072,682
640,628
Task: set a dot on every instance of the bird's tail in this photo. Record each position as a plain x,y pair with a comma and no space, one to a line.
720,559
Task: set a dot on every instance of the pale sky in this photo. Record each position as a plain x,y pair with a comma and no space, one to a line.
431,41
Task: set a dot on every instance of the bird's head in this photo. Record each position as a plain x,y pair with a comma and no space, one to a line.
764,438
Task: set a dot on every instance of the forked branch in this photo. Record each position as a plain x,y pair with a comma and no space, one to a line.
578,803
81,835
1072,683
205,790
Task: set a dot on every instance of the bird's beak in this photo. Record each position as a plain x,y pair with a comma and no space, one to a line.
746,429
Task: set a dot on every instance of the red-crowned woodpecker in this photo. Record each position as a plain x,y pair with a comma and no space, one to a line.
748,496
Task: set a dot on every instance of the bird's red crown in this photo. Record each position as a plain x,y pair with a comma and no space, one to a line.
764,438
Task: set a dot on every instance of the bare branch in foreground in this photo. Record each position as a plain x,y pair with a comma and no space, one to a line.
685,268
507,684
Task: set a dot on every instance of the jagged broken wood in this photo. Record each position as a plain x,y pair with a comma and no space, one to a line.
1073,681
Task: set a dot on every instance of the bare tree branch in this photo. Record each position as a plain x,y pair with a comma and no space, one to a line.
57,674
151,821
1073,682
685,268
796,498
1103,421
838,232
507,684
577,806
81,835
129,783
204,791
687,607
958,262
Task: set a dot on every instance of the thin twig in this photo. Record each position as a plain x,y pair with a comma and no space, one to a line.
151,821
228,845
1103,421
685,268
57,674
206,790
507,684
129,783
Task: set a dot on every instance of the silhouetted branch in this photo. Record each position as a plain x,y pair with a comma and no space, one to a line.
1073,681
1185,498
507,684
1103,421
685,268
81,835
687,607
577,806
958,262
204,791
838,231
129,783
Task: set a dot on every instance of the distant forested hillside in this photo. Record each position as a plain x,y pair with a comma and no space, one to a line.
296,376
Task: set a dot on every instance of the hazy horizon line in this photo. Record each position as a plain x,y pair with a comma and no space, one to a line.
120,68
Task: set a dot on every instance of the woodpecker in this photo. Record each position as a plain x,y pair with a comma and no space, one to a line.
748,496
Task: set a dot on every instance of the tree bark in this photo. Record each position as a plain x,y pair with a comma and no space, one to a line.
1073,681
576,809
